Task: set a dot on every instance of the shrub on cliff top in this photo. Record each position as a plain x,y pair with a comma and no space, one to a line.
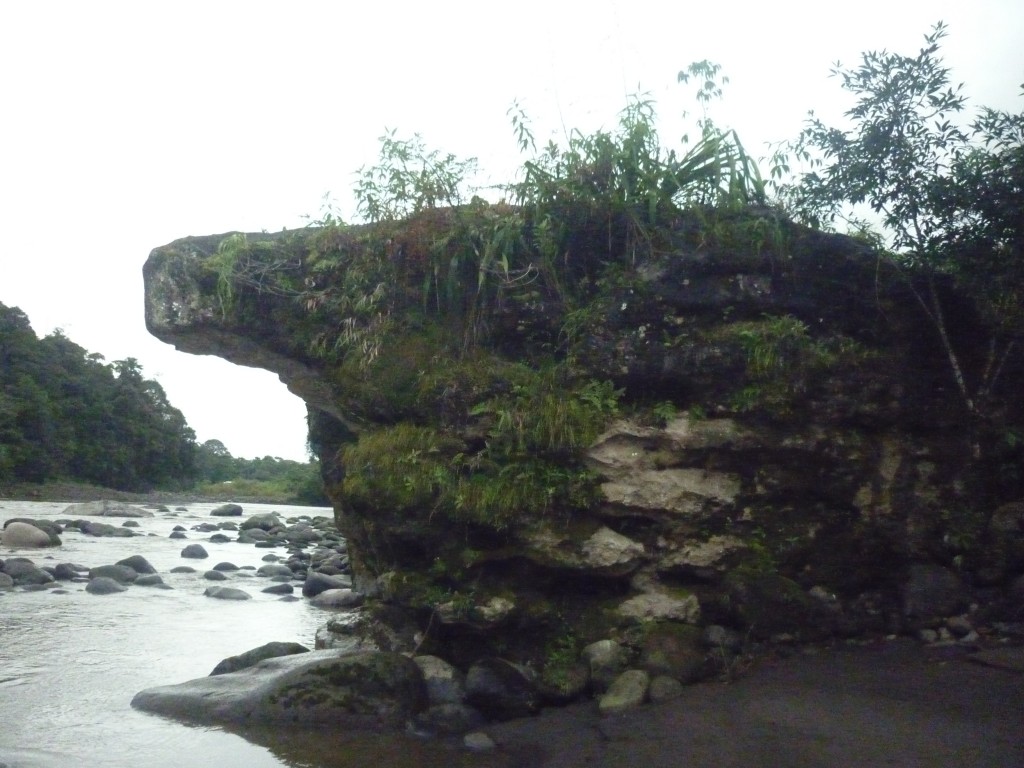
949,196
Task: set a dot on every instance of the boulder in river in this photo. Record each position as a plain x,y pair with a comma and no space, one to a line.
104,585
227,510
122,574
337,598
107,509
282,588
195,551
92,528
66,571
274,569
18,535
256,655
266,521
25,573
151,580
137,563
227,593
318,582
347,690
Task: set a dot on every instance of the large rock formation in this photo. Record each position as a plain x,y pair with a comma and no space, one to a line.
750,427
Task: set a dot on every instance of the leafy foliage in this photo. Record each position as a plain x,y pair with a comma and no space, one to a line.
948,195
625,183
527,465
782,361
409,178
899,149
471,258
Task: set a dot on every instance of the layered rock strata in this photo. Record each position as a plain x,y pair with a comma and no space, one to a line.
786,458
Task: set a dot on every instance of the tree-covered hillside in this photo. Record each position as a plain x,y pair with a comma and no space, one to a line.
65,413
219,474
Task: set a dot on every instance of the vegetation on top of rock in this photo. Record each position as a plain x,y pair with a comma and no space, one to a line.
599,203
781,431
949,197
418,314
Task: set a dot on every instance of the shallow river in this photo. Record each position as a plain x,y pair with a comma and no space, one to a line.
70,661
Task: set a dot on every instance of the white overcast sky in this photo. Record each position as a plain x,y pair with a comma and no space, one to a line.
126,125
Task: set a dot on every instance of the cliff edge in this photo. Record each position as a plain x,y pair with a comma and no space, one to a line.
642,449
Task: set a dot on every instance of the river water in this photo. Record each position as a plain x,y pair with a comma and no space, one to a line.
70,661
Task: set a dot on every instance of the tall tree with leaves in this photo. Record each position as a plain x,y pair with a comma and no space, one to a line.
948,193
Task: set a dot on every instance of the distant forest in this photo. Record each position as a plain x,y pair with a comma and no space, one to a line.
66,414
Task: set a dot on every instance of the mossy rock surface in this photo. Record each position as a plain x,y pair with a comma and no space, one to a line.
319,687
770,605
674,650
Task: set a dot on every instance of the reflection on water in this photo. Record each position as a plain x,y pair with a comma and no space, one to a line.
70,662
303,748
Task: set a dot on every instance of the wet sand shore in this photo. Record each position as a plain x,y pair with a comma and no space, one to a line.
886,704
890,704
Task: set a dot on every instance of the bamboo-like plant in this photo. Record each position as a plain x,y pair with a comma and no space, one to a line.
626,182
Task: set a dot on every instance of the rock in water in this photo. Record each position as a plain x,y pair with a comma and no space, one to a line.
227,510
18,535
317,582
122,574
104,585
195,551
266,521
227,593
137,563
256,655
24,572
362,689
106,509
337,598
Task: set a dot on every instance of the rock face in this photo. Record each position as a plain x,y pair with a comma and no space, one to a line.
753,432
318,687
